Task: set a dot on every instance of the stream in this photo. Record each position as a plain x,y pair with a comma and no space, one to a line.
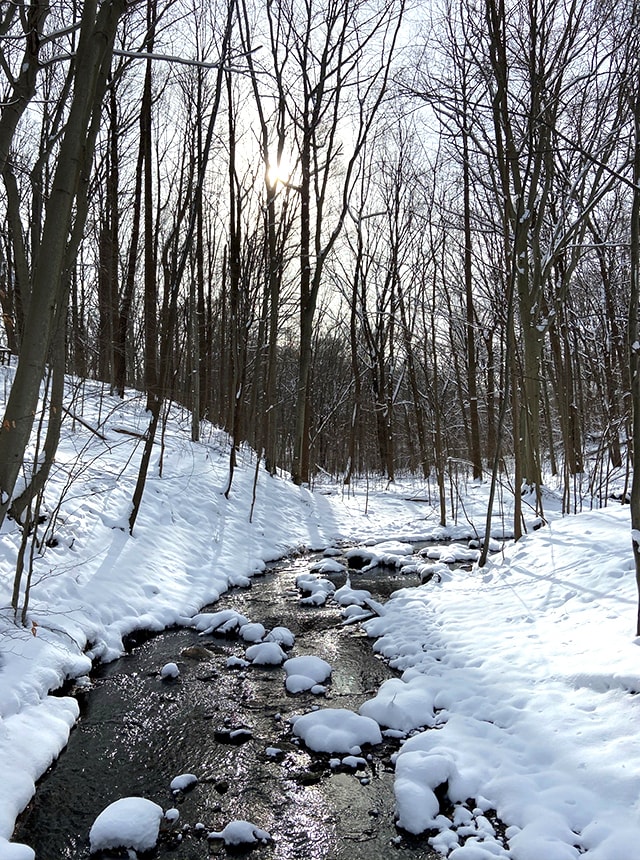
137,732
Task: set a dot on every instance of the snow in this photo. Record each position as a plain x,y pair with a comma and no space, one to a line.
183,782
224,621
241,833
131,822
536,708
265,654
252,632
282,635
306,673
348,596
403,705
316,588
336,730
237,663
451,554
170,671
15,851
519,682
327,565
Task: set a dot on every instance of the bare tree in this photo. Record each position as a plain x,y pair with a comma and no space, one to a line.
336,59
48,288
174,273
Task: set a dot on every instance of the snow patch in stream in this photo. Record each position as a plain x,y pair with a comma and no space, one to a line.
131,822
336,730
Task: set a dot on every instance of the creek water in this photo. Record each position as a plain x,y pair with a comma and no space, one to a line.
137,732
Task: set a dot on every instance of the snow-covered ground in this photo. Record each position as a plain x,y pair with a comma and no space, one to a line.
520,681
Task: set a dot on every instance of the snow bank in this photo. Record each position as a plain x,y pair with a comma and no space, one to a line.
528,669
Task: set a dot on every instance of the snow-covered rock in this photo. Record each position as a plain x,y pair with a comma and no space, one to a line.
315,588
15,851
327,565
348,596
170,671
241,833
237,663
222,622
131,822
252,632
312,667
306,673
282,635
266,654
336,730
183,782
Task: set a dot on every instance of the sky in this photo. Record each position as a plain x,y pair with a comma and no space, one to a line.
517,683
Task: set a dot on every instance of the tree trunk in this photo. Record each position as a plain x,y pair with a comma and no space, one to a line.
93,60
475,451
171,296
299,471
24,86
634,348
150,263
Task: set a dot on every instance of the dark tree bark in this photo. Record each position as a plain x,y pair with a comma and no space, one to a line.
108,252
634,343
175,281
93,60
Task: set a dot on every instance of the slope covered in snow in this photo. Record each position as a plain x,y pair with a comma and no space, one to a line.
527,671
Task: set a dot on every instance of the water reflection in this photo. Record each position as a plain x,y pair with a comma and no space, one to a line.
138,732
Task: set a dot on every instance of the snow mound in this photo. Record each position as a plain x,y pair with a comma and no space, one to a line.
306,673
15,851
451,553
237,663
315,588
222,622
170,671
131,822
336,730
266,654
417,775
241,833
436,572
252,632
348,596
183,782
327,565
403,704
282,635
313,667
390,553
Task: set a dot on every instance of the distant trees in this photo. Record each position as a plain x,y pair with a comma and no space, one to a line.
355,247
528,105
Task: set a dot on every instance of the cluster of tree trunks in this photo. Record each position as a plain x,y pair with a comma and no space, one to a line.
357,246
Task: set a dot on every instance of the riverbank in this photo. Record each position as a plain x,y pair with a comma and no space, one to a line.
531,663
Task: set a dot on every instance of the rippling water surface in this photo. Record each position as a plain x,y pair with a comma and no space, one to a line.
137,733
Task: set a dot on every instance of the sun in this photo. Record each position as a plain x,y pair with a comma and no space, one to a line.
279,173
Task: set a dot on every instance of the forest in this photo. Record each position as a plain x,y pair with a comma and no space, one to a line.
362,236
283,282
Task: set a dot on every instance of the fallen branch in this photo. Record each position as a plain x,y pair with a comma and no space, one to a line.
84,423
